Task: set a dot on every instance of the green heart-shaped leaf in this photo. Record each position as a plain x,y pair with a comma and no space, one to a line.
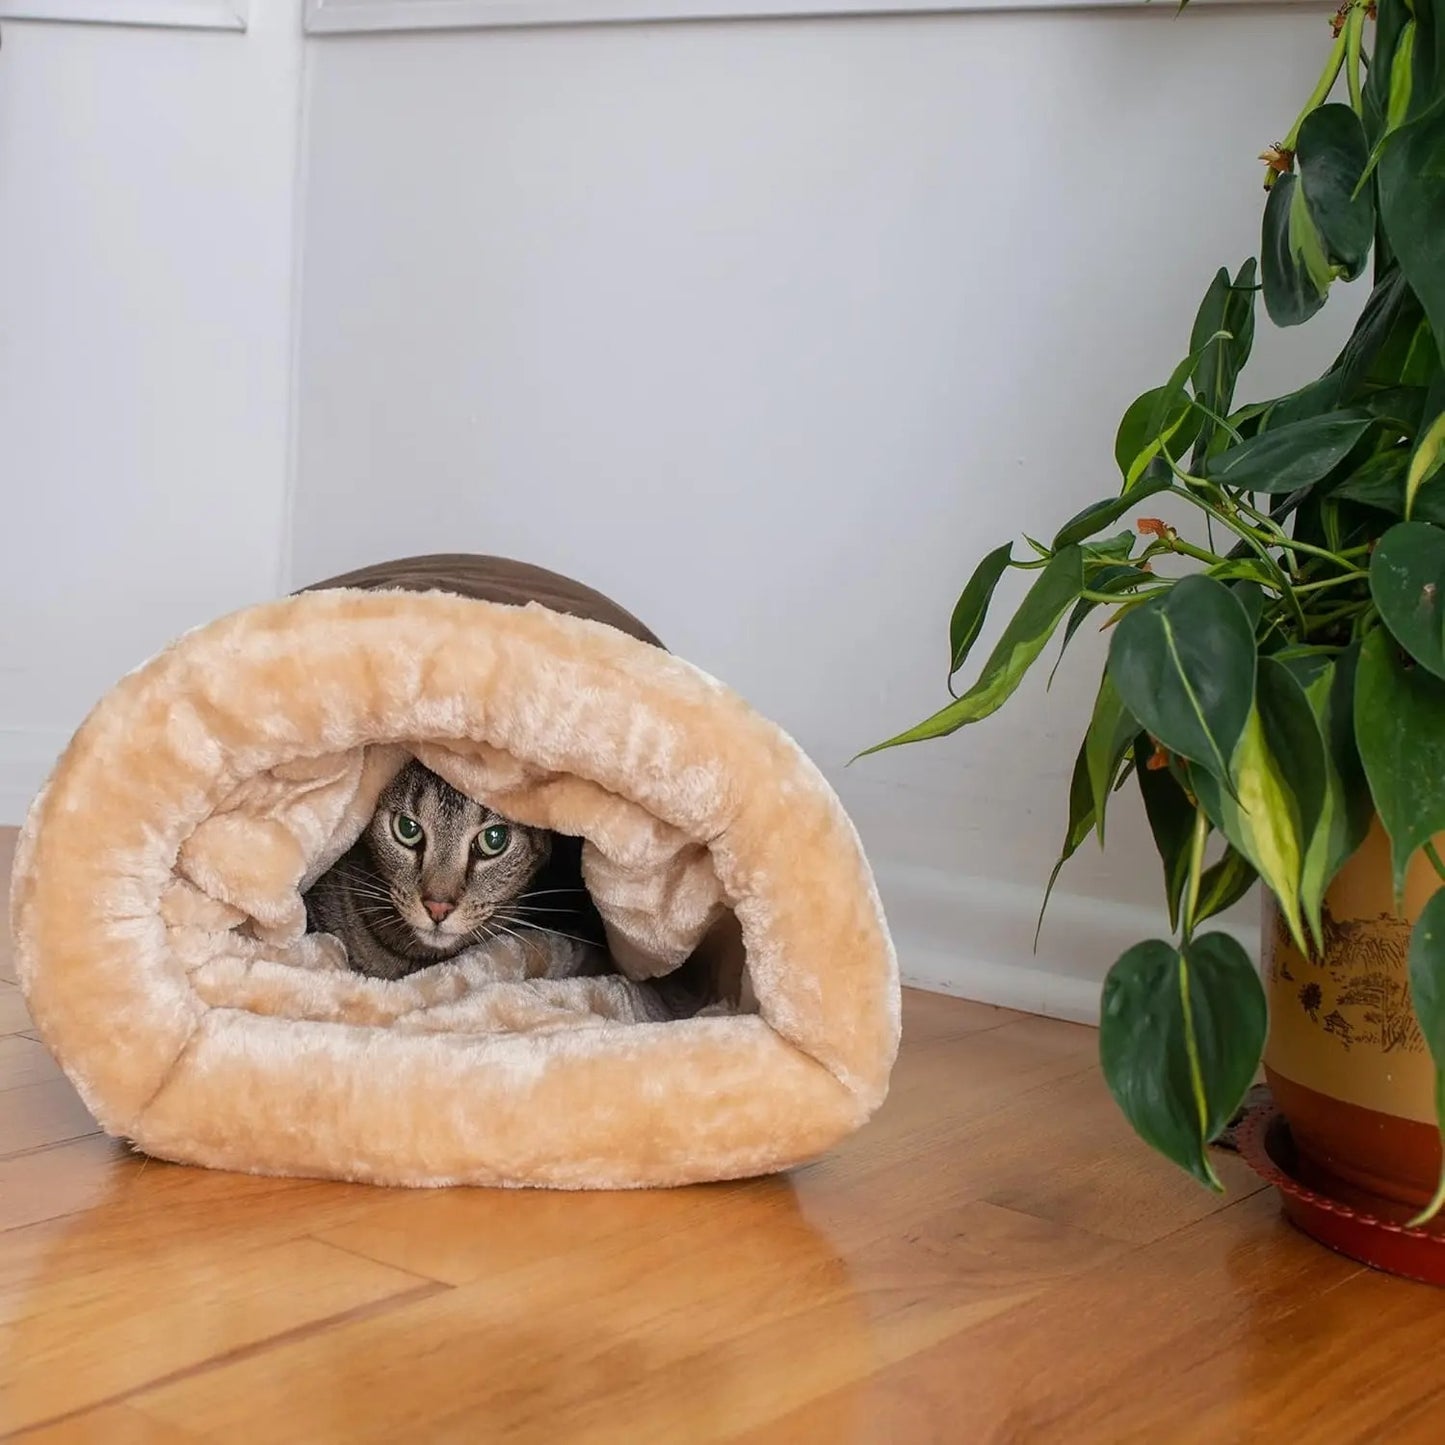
1315,399
1098,515
1296,454
1171,821
1411,183
1378,482
1222,339
1111,734
1382,336
1400,730
1291,255
1179,1040
972,606
1407,581
1184,666
1332,155
1081,823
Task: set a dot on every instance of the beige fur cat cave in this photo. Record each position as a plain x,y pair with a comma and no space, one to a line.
161,936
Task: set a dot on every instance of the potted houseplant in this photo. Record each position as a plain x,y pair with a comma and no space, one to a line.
1275,682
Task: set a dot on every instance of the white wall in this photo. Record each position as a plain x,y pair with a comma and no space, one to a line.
771,330
145,288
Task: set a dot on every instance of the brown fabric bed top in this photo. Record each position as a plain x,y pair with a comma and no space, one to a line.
493,579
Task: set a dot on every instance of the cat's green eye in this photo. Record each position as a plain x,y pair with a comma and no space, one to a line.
406,830
493,840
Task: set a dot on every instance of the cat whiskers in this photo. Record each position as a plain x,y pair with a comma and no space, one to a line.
511,917
359,885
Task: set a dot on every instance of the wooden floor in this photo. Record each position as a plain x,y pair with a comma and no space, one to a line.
995,1258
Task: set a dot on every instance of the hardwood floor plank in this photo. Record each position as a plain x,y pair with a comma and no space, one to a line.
76,1338
23,1061
1053,1145
122,1198
65,1179
109,1425
34,1115
930,1016
1233,1328
14,1016
741,1314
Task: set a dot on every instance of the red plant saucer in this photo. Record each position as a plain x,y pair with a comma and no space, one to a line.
1370,1230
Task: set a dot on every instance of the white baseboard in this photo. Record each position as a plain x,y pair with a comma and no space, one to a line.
973,937
26,757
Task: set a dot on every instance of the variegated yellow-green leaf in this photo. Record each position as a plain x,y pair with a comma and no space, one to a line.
1054,591
1332,154
1279,777
1428,456
1224,884
1293,267
1345,807
1155,420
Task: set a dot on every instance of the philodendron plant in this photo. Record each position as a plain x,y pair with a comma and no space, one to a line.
1276,666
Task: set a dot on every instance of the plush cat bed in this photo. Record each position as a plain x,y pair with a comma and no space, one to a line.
160,930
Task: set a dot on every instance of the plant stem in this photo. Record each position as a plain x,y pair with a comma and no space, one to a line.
1252,541
1261,517
1322,90
1275,536
1354,37
1196,870
1111,599
1338,614
1311,550
1188,549
1325,582
1434,858
1221,422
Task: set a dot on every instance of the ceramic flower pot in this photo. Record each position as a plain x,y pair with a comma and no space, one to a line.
1346,1060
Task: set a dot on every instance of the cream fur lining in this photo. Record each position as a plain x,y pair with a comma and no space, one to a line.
159,924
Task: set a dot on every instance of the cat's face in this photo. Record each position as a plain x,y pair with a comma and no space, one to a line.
448,863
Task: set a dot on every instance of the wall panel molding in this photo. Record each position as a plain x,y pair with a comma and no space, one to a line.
352,16
173,14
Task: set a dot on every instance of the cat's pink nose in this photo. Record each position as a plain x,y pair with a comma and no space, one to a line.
437,908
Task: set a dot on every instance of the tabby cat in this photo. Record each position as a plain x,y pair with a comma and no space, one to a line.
436,873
